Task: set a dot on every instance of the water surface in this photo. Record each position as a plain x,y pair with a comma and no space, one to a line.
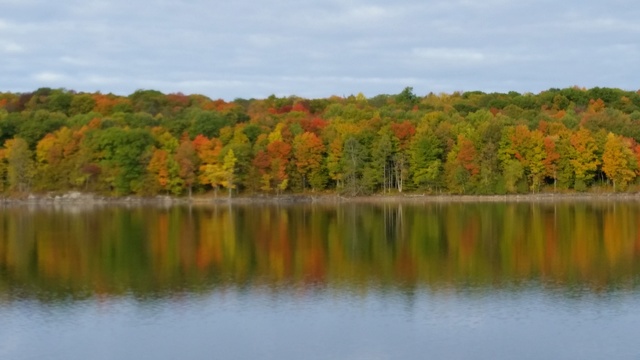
458,281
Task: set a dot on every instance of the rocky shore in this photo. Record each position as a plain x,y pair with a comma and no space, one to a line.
79,198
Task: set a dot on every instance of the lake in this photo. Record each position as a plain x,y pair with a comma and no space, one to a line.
352,281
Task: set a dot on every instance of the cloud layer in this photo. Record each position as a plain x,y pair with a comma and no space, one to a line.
316,48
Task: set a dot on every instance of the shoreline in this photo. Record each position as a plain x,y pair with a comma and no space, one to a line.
88,199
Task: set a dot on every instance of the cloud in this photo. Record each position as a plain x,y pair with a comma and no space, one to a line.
450,56
264,41
75,61
15,28
17,2
49,77
368,14
602,24
102,80
315,48
9,47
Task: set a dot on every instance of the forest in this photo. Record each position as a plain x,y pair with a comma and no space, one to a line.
150,143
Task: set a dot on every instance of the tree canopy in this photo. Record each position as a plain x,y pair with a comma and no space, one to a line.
148,143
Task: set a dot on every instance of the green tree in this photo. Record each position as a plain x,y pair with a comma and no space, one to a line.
38,124
353,163
489,133
209,123
384,148
425,162
123,155
407,97
565,173
512,169
82,104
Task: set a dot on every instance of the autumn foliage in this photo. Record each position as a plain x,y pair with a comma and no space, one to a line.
150,143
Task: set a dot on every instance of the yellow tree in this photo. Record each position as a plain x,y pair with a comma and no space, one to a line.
228,166
528,147
3,169
536,155
48,158
208,153
334,162
584,160
551,158
20,167
212,174
58,162
618,161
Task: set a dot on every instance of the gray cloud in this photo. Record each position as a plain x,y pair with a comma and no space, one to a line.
248,48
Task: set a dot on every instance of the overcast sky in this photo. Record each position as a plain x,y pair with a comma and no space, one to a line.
254,48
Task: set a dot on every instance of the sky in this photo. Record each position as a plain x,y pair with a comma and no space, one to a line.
315,49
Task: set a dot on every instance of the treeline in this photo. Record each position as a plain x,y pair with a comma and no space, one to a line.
149,143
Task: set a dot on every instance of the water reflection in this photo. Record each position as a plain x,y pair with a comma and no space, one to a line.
62,254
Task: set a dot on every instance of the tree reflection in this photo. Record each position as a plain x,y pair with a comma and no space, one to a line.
55,253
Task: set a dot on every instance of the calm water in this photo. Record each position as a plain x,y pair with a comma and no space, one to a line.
459,281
